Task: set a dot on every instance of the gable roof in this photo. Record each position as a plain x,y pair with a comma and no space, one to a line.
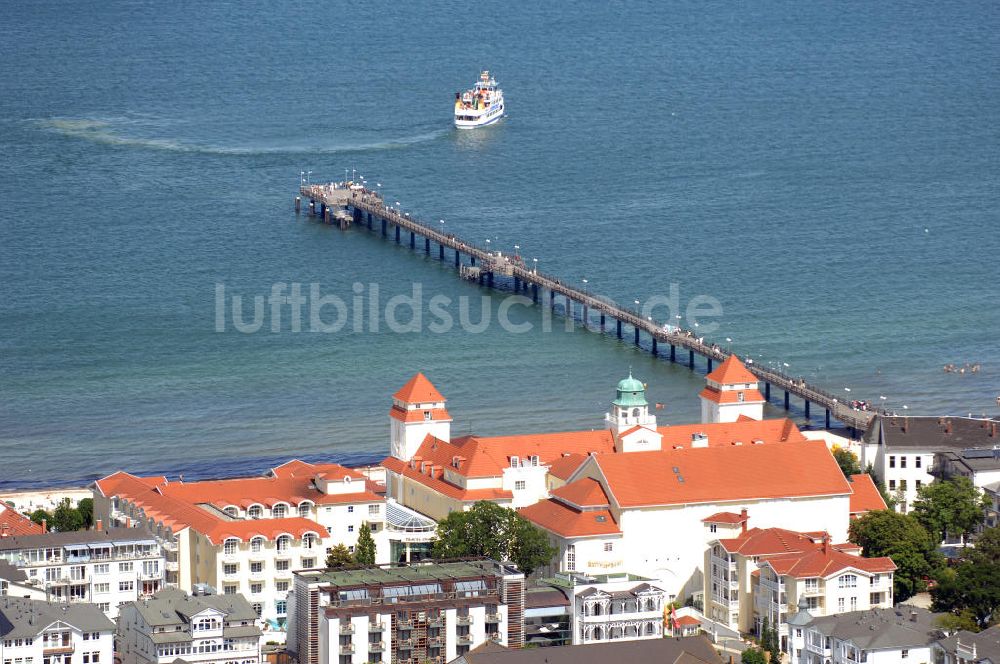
745,430
561,519
418,390
819,563
566,465
722,474
725,517
865,496
22,618
768,541
732,370
584,492
13,523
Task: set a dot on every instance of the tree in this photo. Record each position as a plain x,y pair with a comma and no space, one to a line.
86,509
40,515
953,506
890,502
364,550
490,530
769,640
339,557
973,590
847,460
753,656
902,538
952,622
66,518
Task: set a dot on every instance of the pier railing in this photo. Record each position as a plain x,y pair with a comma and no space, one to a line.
367,201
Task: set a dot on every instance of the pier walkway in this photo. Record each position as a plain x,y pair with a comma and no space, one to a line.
367,208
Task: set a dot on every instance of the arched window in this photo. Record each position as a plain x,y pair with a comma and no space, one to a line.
206,624
230,546
309,541
257,544
284,542
635,412
255,512
650,629
279,511
305,507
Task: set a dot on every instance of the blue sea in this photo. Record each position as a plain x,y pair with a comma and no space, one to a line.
826,172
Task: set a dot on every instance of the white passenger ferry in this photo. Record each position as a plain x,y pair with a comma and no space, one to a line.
480,106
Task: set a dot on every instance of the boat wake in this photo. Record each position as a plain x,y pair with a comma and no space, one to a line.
110,132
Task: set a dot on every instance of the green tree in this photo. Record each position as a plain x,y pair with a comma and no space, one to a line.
847,460
86,509
339,557
364,550
40,515
66,518
952,506
964,619
753,656
490,530
902,538
973,589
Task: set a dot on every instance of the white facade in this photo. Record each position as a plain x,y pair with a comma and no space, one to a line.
902,472
737,399
407,434
617,608
108,569
812,647
55,637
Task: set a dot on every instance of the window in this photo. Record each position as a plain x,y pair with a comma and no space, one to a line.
902,462
230,589
854,604
902,485
309,541
917,461
255,512
279,511
281,607
350,509
609,546
515,461
919,483
350,529
256,568
304,509
712,528
892,485
205,624
124,567
232,511
892,462
571,558
427,416
103,568
520,485
281,565
875,579
256,588
840,604
847,581
257,544
230,569
374,509
230,546
258,608
281,586
102,588
905,653
812,585
740,397
308,563
284,542
126,586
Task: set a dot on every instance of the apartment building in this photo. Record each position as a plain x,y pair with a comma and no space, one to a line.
423,612
248,535
104,566
615,608
39,632
173,626
902,450
878,636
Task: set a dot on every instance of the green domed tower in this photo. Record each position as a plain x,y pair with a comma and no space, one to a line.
630,408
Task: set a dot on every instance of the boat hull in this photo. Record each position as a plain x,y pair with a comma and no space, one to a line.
483,121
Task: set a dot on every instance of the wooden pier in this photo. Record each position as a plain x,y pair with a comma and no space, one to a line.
365,207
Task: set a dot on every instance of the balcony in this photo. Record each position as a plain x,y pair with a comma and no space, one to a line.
463,620
57,649
347,628
404,624
435,642
172,566
436,621
464,639
493,617
405,644
347,649
169,546
376,646
376,627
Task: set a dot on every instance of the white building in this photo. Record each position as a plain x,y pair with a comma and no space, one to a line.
731,392
174,626
879,636
965,647
423,612
613,608
39,632
248,535
106,567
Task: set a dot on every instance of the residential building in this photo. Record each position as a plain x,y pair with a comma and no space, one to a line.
965,647
104,566
38,632
173,626
683,650
643,512
613,607
248,535
434,474
423,612
878,636
758,573
548,615
14,582
13,523
905,452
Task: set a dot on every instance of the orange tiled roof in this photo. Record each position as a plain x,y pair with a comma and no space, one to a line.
268,491
584,492
731,396
866,497
768,541
566,521
269,529
433,480
437,414
684,621
816,562
745,430
732,370
721,474
725,517
566,465
13,523
418,390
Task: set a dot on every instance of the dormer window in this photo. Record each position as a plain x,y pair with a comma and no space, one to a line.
427,416
279,511
739,396
515,461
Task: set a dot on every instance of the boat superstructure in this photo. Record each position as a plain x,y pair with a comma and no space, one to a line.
480,106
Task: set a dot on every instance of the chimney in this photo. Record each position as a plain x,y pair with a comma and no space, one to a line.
99,526
913,616
743,522
5,530
947,425
906,424
826,543
45,525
